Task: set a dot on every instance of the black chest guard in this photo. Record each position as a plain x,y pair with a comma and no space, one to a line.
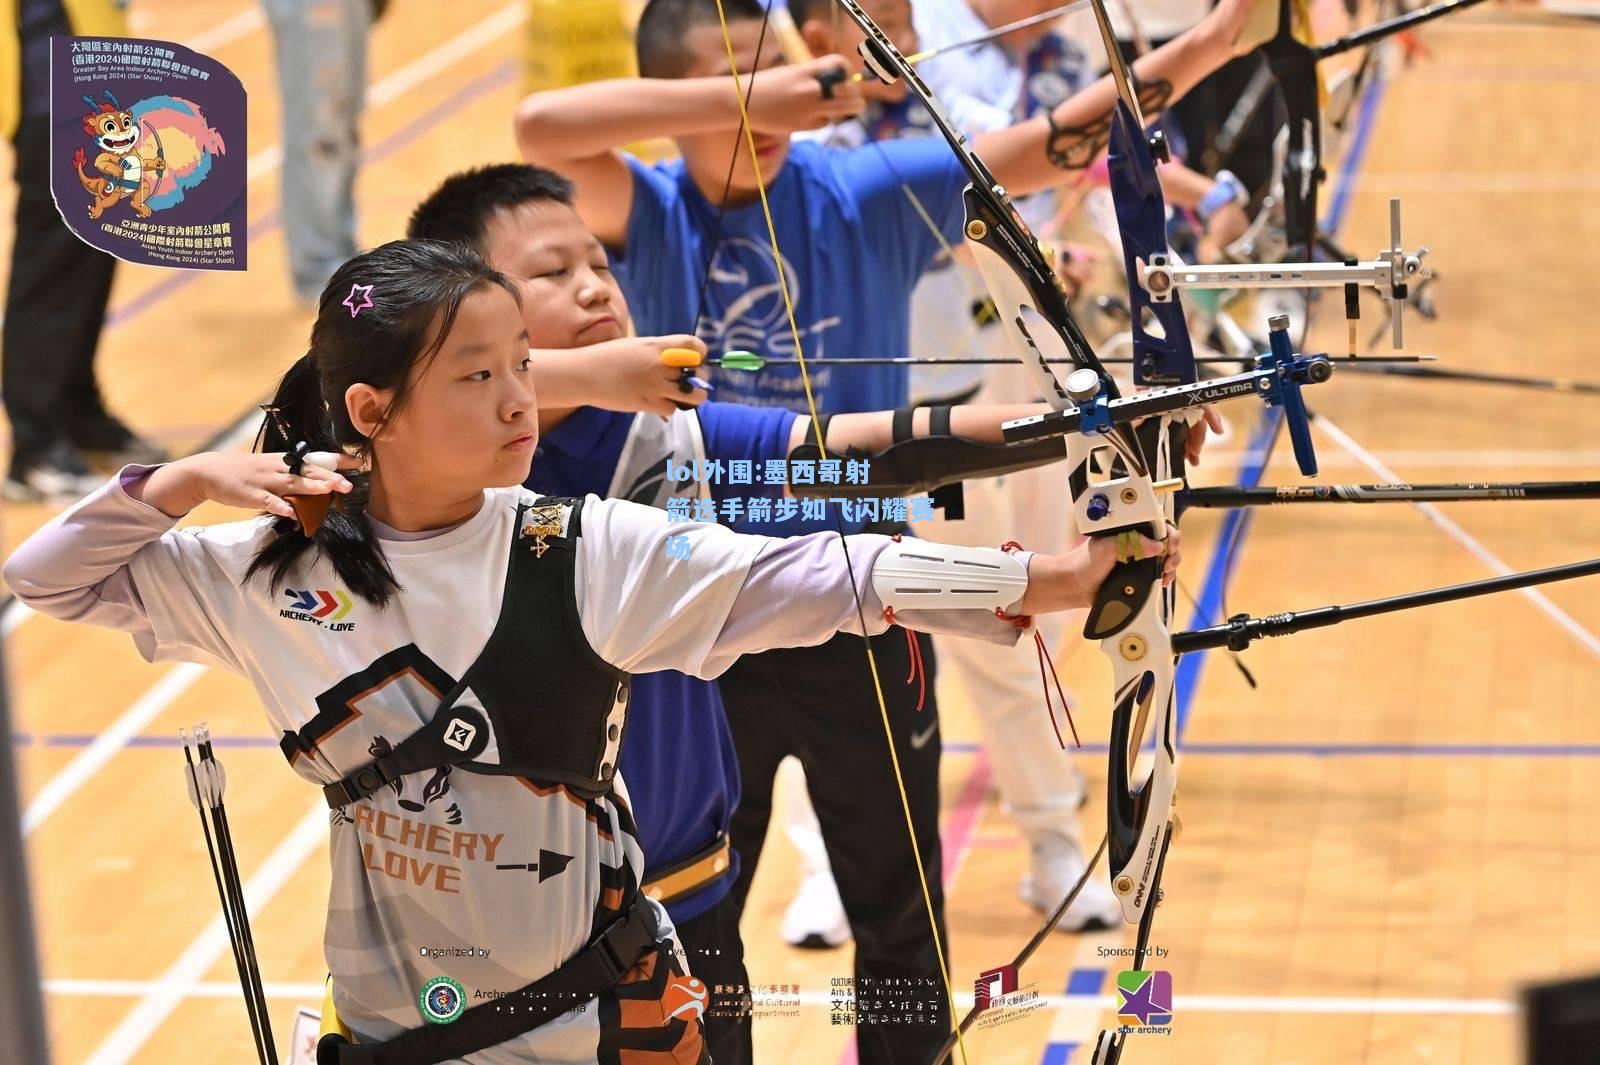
537,702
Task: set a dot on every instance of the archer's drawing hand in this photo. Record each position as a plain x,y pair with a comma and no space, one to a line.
248,481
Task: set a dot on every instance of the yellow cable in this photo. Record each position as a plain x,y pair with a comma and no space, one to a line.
811,403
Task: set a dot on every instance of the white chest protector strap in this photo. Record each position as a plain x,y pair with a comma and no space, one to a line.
915,574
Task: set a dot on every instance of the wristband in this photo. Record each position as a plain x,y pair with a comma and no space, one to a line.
1228,189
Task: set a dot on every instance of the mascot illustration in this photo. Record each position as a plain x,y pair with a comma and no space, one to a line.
116,132
150,172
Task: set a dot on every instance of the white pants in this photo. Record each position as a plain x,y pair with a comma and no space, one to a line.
1039,782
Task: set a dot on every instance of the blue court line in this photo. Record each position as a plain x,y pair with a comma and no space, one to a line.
1212,600
1057,1053
1360,138
1085,981
1236,525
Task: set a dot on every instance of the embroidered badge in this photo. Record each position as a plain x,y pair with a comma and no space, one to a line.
540,521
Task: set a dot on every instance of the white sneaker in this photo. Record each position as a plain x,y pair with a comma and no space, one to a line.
1058,862
815,920
57,476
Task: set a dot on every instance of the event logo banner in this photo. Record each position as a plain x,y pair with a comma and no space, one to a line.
147,151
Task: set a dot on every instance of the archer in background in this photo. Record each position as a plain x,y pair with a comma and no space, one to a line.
58,288
493,630
991,85
591,375
689,242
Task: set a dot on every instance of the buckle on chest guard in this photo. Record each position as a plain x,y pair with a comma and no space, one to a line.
608,957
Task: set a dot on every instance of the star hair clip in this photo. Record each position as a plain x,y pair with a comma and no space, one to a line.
360,299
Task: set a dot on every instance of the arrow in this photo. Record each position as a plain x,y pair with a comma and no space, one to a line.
751,362
1264,495
550,864
1439,373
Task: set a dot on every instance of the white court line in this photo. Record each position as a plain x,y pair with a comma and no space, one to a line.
1464,538
1504,183
184,989
108,742
15,614
163,996
1324,1004
414,73
223,34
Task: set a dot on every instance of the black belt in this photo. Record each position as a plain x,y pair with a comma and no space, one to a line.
593,969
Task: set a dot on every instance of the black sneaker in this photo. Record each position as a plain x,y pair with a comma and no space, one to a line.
105,441
57,475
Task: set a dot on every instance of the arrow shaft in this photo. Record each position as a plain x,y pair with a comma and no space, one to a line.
1438,373
1378,31
1266,495
1239,632
926,360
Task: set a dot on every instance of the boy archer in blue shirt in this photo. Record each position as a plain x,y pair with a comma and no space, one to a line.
677,754
689,242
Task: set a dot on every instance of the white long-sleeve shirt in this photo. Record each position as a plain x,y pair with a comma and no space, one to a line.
426,868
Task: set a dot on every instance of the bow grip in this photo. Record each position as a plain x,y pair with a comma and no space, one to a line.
1121,597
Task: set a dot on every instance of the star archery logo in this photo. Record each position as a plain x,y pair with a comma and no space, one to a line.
1144,998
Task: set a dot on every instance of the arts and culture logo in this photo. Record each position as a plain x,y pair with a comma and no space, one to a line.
442,1000
1144,998
994,985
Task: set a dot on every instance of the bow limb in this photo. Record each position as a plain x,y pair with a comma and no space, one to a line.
811,403
1112,496
161,152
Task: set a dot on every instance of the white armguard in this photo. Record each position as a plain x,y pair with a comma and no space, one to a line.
916,574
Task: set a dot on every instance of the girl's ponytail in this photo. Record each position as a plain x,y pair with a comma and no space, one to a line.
345,538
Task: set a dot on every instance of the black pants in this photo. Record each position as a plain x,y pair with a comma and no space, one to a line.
817,703
715,953
1205,107
55,305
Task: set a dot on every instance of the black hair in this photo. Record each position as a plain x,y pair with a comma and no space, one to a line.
410,285
460,208
664,26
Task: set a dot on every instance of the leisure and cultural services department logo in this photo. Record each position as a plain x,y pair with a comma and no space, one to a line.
442,1000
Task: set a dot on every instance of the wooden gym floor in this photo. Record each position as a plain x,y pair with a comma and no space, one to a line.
1382,842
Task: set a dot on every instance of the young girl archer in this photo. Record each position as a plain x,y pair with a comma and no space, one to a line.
462,710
